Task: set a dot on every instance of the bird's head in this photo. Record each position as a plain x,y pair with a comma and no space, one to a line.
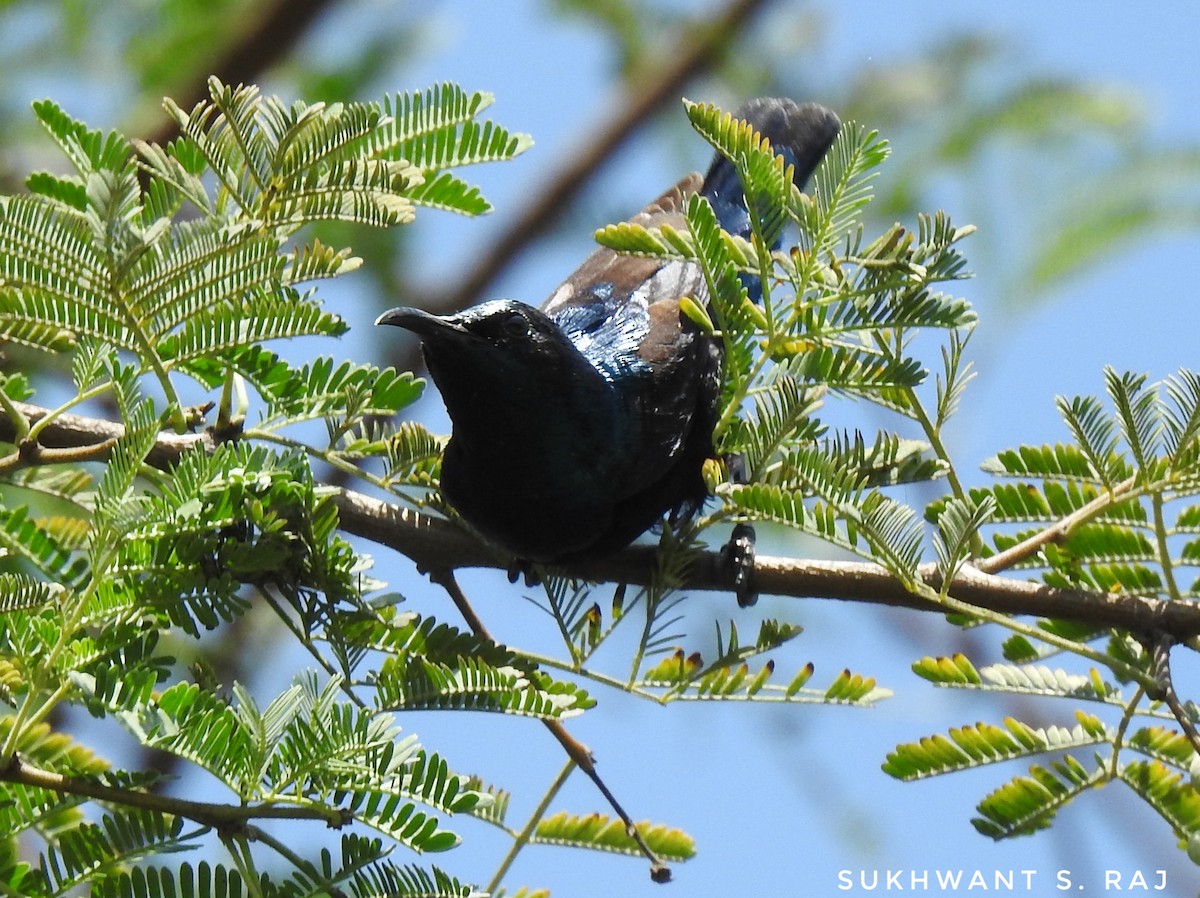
501,333
494,357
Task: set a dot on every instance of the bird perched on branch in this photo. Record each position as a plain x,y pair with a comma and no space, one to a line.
577,426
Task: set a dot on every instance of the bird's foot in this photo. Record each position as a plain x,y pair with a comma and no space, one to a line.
520,568
737,561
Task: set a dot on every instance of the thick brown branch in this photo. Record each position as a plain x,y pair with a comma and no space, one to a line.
436,544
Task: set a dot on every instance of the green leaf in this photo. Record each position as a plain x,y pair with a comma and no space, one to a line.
782,419
957,670
363,871
185,881
1164,790
1096,435
983,743
89,151
194,724
1061,461
854,689
320,390
726,292
256,318
1169,746
416,683
1181,419
1042,680
1139,416
1029,803
841,188
600,832
959,524
33,541
86,853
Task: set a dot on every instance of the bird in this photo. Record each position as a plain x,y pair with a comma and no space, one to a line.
579,425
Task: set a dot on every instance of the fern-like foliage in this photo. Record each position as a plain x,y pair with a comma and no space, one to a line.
472,684
606,834
137,249
686,676
835,317
159,270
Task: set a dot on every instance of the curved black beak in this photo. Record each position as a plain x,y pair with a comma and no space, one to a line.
420,322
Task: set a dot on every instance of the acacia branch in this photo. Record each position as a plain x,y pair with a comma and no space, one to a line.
222,817
436,544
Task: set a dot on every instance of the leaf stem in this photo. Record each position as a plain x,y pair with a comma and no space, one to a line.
1059,530
48,419
1119,740
603,679
1164,552
522,838
243,860
19,420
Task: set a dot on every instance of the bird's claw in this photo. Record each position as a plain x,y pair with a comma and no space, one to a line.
737,561
523,568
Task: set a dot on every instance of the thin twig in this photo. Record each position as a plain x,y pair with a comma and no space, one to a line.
1161,656
1056,532
222,817
522,838
579,753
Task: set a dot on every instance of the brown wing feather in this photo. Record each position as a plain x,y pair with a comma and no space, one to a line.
626,273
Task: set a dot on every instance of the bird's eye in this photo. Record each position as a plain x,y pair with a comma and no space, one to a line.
514,324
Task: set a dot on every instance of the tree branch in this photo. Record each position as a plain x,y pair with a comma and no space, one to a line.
437,544
223,817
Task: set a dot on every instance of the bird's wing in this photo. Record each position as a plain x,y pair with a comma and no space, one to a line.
607,279
673,202
622,313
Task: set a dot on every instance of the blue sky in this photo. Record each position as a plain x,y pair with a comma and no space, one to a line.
782,798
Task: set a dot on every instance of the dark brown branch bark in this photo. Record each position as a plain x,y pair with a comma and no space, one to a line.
435,544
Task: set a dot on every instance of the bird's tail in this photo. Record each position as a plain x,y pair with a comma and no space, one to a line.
800,132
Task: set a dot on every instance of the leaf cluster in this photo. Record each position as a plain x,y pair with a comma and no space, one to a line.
834,314
149,267
1110,512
